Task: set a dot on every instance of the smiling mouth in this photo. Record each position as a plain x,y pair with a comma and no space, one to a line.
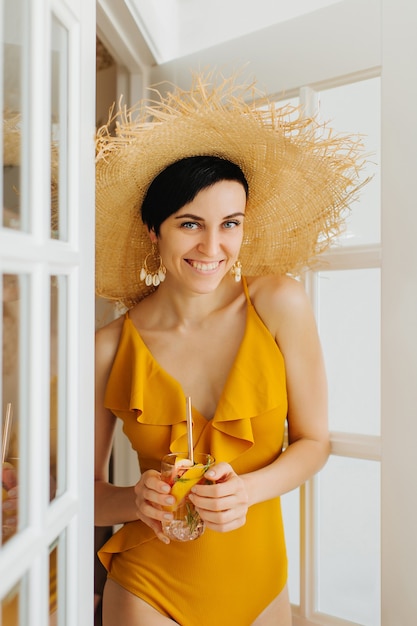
204,267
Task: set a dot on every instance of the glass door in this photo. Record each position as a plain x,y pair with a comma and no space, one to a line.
47,311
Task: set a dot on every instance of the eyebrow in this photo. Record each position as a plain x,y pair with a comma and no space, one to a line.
201,219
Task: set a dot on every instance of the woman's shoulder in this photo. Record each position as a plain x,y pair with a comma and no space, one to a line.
111,327
278,299
276,291
108,337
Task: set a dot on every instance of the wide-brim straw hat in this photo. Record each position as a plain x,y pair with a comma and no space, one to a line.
302,177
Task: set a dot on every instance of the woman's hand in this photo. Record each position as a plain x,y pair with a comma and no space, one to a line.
9,500
223,506
151,494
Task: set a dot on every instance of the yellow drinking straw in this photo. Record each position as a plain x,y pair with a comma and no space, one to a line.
6,432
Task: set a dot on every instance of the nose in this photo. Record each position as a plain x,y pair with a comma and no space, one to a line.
210,242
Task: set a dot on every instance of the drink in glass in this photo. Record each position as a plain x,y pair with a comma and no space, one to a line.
182,474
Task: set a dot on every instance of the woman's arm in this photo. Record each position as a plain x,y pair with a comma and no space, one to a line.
113,505
290,317
117,505
284,307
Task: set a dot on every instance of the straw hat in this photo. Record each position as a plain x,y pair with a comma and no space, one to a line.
301,177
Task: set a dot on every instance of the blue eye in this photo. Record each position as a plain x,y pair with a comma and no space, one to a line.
189,225
231,224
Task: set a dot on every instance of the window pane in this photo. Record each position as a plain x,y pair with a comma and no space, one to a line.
59,130
290,503
349,540
11,614
349,325
58,416
11,170
355,108
14,50
14,320
58,580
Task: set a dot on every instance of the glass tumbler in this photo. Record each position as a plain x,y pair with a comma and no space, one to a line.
181,474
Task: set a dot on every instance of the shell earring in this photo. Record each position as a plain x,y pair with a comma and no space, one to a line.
153,277
236,271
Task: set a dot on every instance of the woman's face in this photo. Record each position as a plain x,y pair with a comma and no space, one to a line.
200,243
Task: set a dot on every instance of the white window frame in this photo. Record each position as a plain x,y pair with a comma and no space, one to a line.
69,516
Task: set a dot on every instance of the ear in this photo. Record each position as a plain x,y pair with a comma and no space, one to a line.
152,235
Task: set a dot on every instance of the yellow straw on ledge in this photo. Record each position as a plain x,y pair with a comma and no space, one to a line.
6,432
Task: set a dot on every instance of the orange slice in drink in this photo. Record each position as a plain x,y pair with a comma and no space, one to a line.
184,483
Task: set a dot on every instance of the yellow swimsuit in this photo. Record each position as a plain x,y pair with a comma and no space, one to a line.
226,579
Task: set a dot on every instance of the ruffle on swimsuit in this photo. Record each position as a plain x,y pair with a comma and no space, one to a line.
139,387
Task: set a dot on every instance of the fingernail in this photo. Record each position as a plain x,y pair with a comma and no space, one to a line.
170,500
166,488
210,473
168,516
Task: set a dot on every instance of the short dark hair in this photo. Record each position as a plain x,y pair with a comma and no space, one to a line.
179,183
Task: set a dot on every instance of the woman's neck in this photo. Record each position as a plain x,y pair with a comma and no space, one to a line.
170,307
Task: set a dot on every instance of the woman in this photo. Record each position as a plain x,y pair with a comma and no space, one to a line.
212,187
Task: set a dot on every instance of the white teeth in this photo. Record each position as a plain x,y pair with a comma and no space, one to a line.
204,267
